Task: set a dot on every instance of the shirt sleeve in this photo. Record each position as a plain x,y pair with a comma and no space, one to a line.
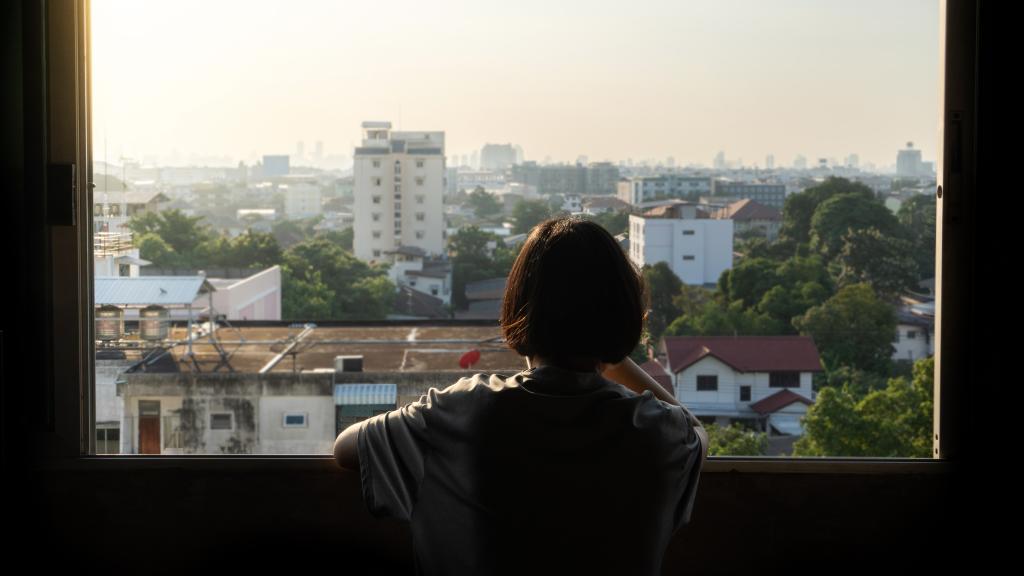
691,450
393,449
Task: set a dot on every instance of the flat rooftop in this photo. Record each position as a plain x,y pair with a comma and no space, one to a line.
384,348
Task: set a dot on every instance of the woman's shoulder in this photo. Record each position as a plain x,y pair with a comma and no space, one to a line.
481,383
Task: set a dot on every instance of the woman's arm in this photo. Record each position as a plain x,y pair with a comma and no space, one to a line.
346,449
633,377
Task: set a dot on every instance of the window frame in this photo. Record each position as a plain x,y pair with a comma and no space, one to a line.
69,431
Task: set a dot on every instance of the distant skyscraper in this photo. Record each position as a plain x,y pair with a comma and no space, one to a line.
319,153
908,162
497,156
520,157
300,149
719,162
800,163
769,162
853,160
399,186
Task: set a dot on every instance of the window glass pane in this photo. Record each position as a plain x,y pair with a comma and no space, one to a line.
769,166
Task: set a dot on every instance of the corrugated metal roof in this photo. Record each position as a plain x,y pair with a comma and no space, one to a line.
362,394
146,290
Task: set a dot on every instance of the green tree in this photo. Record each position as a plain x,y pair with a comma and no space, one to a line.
846,214
918,217
799,208
183,233
341,272
304,296
153,248
288,233
853,328
884,262
250,249
529,213
484,204
735,440
662,287
718,319
472,260
894,421
613,221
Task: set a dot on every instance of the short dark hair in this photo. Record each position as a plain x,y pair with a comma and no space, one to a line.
573,293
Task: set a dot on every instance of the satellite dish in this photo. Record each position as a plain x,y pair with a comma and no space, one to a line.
469,358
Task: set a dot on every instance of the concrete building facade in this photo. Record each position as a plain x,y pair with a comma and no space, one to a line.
399,183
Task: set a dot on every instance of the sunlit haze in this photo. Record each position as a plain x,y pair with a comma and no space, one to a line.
201,82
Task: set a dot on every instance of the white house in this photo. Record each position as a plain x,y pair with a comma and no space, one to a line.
915,332
415,269
697,248
764,381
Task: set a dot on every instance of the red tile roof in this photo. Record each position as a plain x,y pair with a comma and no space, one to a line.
745,353
657,372
747,209
778,401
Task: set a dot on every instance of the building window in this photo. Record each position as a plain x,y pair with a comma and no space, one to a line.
419,234
376,253
688,257
376,181
433,290
744,393
295,420
419,163
688,232
419,181
376,199
376,216
784,380
419,198
108,439
376,163
707,382
420,216
911,334
376,233
221,421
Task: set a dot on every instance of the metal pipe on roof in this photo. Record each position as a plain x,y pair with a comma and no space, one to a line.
273,362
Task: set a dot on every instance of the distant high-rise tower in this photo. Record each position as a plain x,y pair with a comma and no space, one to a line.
300,149
497,156
719,162
769,162
319,150
853,160
908,162
399,186
800,163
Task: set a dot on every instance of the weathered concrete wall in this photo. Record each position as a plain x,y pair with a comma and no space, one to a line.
256,404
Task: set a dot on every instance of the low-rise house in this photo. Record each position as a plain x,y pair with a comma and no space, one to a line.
762,381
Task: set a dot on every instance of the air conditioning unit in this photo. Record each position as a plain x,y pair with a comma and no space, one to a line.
348,363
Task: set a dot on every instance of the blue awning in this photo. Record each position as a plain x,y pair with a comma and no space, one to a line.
363,394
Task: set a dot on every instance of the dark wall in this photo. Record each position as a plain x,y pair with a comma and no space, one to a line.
250,517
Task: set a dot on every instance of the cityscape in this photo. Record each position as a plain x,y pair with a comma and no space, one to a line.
260,302
339,294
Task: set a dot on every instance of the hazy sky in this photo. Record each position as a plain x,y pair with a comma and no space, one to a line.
561,78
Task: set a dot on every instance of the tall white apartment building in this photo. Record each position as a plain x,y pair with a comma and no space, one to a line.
697,248
399,182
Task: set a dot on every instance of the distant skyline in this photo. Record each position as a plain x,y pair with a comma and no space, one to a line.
643,80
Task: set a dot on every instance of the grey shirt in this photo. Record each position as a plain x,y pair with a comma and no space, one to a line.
545,471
